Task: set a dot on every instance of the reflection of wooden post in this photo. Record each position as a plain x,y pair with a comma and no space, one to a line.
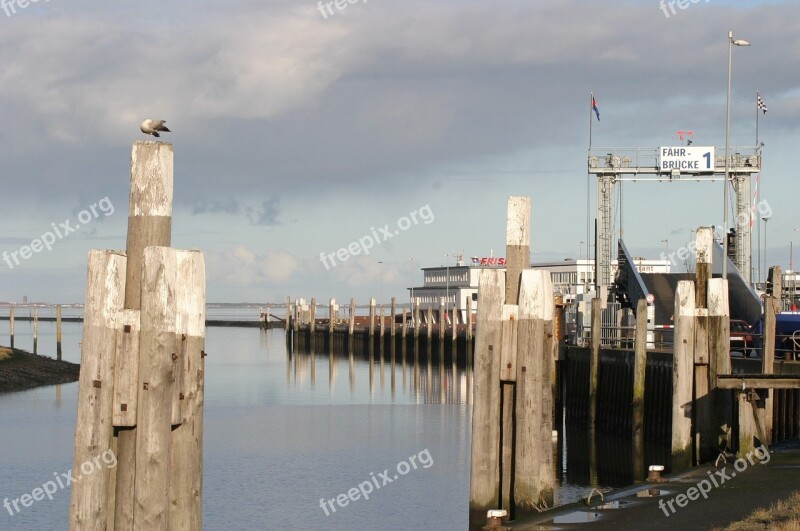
58,332
154,417
186,445
485,468
93,431
683,363
639,372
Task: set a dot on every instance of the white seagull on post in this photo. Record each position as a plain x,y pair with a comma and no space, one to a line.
152,127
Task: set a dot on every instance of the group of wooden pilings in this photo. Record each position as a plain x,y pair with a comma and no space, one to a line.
35,320
139,431
514,381
302,325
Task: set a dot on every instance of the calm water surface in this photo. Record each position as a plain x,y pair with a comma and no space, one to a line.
281,432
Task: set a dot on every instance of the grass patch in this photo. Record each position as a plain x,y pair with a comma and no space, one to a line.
783,515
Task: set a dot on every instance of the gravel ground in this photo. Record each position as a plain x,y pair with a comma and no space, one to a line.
22,370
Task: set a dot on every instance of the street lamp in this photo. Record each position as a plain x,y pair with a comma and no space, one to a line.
731,43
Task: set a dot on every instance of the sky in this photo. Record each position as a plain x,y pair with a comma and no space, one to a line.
300,130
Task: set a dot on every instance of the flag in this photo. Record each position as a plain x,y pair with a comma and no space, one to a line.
760,103
596,110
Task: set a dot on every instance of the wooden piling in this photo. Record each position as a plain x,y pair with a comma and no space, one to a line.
11,324
416,320
154,417
442,316
383,322
391,324
186,444
719,343
287,323
469,324
454,324
594,364
351,325
149,224
35,330
639,372
331,321
58,332
312,318
126,370
93,430
484,470
534,474
705,438
771,309
403,331
683,364
429,319
372,318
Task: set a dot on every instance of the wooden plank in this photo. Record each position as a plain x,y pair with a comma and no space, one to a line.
508,348
683,364
756,382
534,473
719,343
771,309
105,292
186,444
156,381
485,465
126,370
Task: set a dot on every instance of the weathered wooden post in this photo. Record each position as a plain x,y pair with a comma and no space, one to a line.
403,329
442,315
35,329
11,324
288,322
371,319
149,224
534,474
93,431
454,326
682,372
429,319
391,324
154,417
312,319
594,363
485,467
469,324
771,309
706,439
719,335
186,445
415,304
58,332
639,372
383,322
331,323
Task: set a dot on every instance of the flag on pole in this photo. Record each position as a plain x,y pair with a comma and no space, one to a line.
760,103
596,110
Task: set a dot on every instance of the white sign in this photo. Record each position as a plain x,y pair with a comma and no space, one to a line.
686,159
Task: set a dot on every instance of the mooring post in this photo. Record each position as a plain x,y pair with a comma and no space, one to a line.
391,323
469,325
639,372
35,329
771,309
186,445
705,437
332,321
442,317
58,332
371,318
454,325
382,322
594,364
719,334
485,466
126,373
682,372
11,323
105,294
403,330
415,304
351,325
429,318
534,474
312,319
149,224
288,321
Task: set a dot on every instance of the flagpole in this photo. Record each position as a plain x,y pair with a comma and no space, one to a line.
591,106
757,109
588,177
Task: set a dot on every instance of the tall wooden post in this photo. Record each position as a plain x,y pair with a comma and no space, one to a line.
469,323
312,318
11,324
371,318
639,372
383,322
35,330
771,309
534,474
485,466
288,322
682,373
332,320
186,445
706,439
594,364
58,332
149,224
719,334
93,430
442,315
352,324
416,320
391,324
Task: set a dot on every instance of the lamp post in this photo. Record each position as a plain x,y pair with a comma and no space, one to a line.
731,43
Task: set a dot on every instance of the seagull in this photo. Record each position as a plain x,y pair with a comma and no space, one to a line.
152,127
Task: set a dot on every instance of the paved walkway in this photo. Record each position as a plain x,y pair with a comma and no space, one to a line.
738,493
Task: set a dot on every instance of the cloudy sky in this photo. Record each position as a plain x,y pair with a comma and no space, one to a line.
298,133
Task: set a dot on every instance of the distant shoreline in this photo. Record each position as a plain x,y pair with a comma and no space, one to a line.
20,370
